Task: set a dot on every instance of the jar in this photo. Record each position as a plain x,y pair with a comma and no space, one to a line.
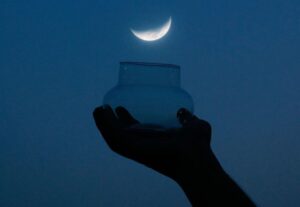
151,92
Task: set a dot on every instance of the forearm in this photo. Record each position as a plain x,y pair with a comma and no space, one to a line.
213,187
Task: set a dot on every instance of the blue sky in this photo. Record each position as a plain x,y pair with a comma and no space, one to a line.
239,60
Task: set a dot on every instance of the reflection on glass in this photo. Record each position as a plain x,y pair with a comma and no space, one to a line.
151,92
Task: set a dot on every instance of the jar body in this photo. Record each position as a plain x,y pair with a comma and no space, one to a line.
150,103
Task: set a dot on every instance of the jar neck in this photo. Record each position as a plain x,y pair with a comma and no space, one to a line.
155,74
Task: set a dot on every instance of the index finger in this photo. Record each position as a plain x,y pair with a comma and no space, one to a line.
106,121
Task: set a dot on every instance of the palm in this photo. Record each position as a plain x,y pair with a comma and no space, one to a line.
164,150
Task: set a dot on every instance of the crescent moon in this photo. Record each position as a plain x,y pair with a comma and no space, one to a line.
153,34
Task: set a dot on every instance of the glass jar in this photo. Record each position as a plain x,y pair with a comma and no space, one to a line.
151,92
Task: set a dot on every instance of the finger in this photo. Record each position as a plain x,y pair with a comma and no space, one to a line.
125,117
184,116
193,124
106,120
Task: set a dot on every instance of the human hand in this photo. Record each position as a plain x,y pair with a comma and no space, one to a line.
174,152
183,154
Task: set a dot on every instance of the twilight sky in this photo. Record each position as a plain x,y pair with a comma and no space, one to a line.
239,60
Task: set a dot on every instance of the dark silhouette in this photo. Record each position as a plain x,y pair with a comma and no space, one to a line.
183,154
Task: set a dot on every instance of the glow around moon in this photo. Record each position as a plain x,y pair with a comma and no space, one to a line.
153,34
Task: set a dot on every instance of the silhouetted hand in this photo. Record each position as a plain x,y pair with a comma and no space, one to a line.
172,152
183,154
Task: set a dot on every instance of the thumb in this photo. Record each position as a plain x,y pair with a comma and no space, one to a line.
193,124
184,116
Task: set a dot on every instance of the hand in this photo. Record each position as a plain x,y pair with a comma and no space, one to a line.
183,154
175,152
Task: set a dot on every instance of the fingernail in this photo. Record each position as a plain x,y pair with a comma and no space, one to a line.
182,112
184,115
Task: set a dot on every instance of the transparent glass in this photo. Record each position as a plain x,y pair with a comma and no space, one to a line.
151,92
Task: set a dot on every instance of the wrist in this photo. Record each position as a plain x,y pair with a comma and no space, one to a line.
200,178
207,184
199,169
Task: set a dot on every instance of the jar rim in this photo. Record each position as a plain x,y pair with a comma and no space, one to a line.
154,64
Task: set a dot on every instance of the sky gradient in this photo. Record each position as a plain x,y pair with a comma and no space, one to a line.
239,60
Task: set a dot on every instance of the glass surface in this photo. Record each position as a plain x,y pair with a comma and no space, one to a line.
151,92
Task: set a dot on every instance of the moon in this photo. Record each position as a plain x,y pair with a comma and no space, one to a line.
153,34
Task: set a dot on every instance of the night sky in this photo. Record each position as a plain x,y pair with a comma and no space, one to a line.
239,60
